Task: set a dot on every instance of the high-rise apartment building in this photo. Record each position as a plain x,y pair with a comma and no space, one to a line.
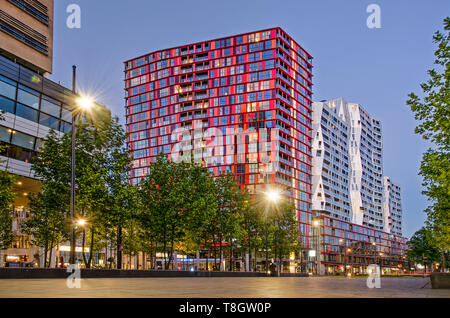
31,104
392,207
366,182
240,103
349,186
347,166
331,161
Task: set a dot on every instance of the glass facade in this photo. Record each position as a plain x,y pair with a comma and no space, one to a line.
32,105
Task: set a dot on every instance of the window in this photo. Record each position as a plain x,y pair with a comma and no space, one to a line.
7,105
26,112
269,64
267,55
21,36
252,147
7,88
50,106
28,96
5,134
31,10
23,140
66,114
49,121
65,127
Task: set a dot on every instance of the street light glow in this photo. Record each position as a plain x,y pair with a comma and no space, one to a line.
316,223
81,222
85,102
273,196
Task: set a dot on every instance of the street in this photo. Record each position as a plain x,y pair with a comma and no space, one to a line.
289,287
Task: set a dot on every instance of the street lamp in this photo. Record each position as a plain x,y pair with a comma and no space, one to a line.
81,222
273,196
316,223
82,104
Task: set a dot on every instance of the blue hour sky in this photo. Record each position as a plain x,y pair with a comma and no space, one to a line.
376,68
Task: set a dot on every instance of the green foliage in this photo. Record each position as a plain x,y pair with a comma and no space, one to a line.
177,204
421,247
103,195
231,201
47,225
283,230
433,113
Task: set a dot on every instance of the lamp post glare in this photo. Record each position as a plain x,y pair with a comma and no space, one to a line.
85,102
82,104
272,196
316,234
81,222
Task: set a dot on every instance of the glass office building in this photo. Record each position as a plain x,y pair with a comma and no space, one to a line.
31,106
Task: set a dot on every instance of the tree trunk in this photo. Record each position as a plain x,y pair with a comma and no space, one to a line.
45,254
197,262
301,261
137,260
119,247
106,254
155,259
215,252
50,252
144,262
207,252
231,255
442,261
83,242
220,252
255,261
111,252
171,248
91,250
164,248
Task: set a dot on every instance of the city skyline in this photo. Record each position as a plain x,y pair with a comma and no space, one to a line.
342,50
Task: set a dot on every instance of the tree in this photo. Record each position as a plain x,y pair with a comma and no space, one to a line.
103,195
253,226
163,204
433,113
226,223
200,207
47,224
283,229
422,248
49,221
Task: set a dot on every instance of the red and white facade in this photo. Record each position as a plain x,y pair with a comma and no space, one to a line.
240,104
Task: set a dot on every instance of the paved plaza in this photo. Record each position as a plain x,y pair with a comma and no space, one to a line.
289,287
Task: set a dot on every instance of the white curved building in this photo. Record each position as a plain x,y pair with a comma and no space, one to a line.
348,182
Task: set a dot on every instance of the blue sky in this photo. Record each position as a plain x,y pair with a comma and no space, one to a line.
374,67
